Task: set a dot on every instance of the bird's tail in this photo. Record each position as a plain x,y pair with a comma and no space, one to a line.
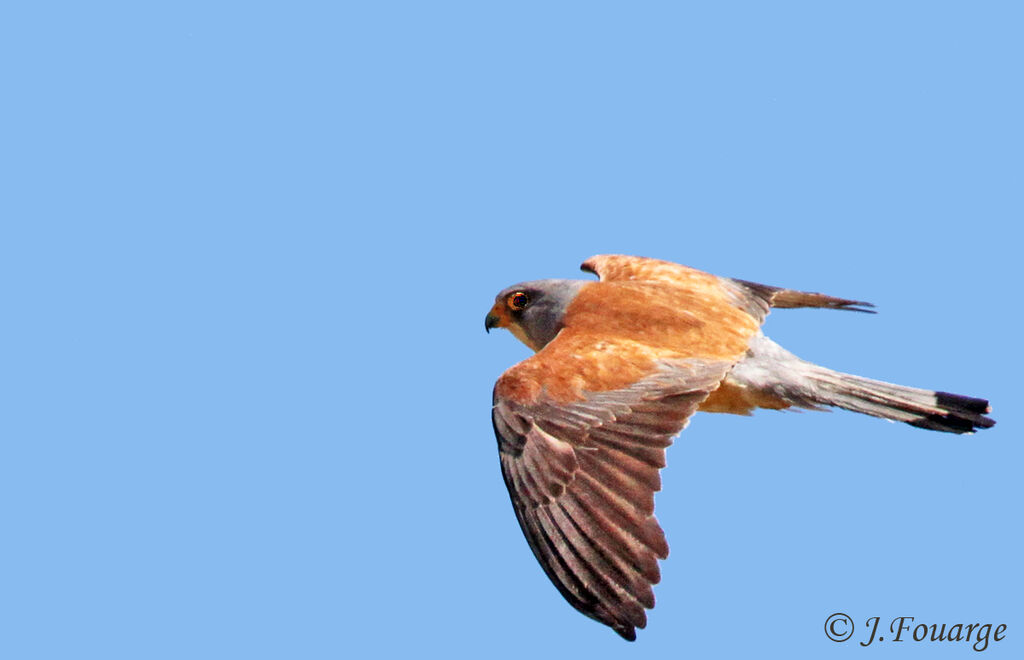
937,411
771,368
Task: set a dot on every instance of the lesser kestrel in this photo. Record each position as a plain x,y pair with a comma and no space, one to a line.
620,366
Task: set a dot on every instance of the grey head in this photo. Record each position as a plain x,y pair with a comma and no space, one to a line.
533,311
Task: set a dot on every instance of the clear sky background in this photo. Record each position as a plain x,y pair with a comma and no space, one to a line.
246,254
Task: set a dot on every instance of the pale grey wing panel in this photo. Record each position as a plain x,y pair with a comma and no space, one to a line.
582,478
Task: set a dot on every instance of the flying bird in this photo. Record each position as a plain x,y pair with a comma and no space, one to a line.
620,365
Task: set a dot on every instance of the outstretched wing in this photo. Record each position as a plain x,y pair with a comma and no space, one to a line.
756,299
581,464
624,268
710,289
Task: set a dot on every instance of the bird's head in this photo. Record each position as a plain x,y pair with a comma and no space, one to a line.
533,311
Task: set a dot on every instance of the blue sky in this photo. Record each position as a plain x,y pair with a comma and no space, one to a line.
247,249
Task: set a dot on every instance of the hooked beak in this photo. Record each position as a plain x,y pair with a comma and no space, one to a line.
496,318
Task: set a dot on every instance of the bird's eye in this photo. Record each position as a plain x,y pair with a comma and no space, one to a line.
518,301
